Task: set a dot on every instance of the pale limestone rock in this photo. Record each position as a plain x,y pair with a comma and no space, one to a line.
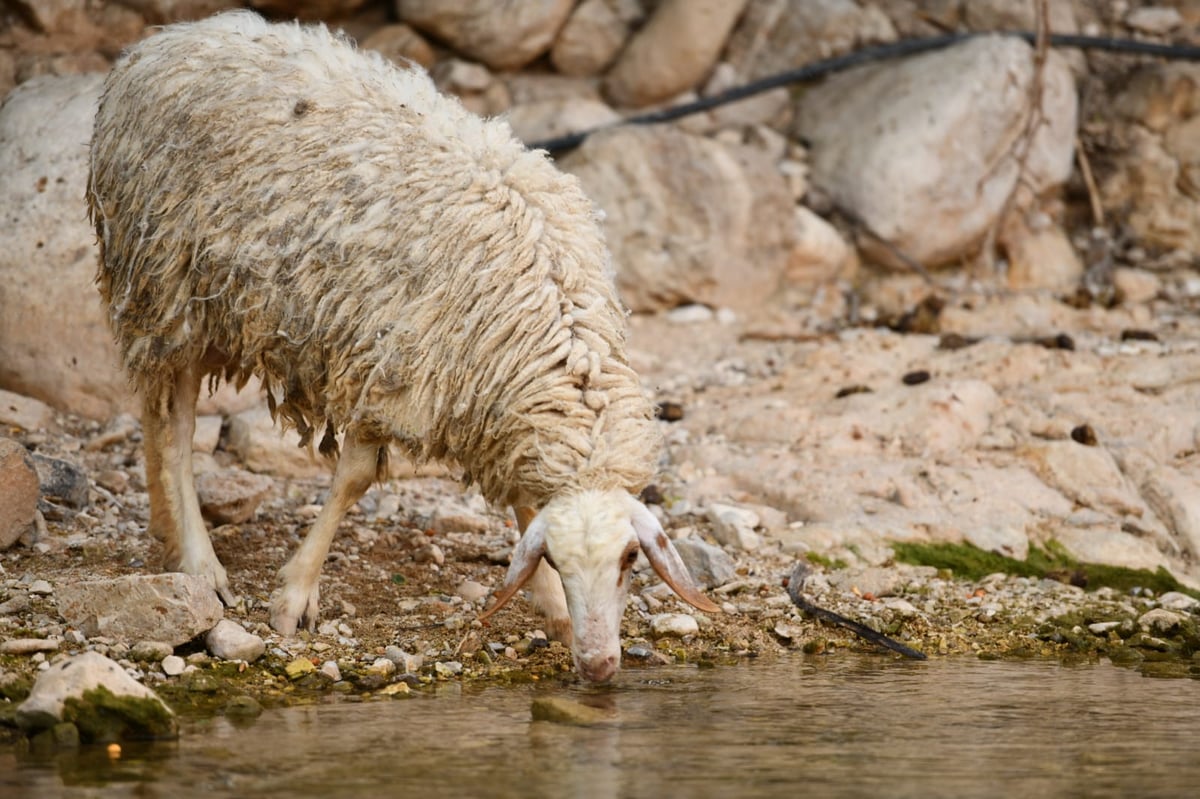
1174,496
1155,20
673,52
267,449
228,640
775,35
1135,286
48,257
547,119
1040,256
73,677
231,496
1088,475
687,219
920,150
673,625
734,527
593,35
27,413
820,254
163,607
309,9
710,566
19,492
400,44
504,34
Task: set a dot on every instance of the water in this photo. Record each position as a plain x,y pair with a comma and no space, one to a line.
804,726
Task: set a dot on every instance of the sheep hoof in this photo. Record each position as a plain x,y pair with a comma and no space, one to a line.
559,630
292,609
214,573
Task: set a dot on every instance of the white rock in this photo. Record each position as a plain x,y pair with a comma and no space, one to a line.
382,666
41,588
1160,621
1174,600
734,526
1154,19
173,665
471,591
228,640
677,625
27,413
330,669
72,677
919,148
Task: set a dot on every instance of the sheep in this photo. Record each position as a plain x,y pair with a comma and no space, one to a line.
270,201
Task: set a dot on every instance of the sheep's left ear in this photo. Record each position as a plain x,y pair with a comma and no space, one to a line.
526,557
665,559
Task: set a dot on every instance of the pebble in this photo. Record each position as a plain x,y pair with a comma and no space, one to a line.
673,624
41,588
298,668
734,527
330,669
173,665
1174,600
1102,627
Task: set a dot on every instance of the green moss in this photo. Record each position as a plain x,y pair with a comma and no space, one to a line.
832,564
102,716
971,563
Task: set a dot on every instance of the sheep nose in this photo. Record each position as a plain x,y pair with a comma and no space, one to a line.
599,669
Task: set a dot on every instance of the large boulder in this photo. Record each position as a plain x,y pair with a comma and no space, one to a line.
924,150
54,341
674,52
504,34
688,219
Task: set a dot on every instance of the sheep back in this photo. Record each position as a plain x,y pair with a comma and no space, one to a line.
270,201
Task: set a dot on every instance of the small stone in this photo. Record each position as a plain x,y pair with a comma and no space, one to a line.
170,607
471,591
231,496
61,481
397,689
330,669
383,667
448,668
690,314
710,566
27,646
734,527
298,668
228,640
558,710
41,588
1102,627
673,624
173,665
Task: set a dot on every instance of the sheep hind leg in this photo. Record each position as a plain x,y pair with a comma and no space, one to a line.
298,600
168,425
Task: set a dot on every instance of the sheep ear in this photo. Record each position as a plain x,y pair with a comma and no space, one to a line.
666,560
526,556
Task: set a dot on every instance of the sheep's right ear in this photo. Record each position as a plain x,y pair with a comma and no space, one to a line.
526,557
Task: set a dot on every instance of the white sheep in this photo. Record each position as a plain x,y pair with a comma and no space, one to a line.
270,201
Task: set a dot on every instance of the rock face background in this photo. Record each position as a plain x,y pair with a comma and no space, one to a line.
906,303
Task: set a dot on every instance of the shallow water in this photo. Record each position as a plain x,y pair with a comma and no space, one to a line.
804,726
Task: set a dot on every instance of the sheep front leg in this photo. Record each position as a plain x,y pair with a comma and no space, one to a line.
298,600
546,590
168,424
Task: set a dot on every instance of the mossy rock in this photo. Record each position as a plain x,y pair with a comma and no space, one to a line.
103,717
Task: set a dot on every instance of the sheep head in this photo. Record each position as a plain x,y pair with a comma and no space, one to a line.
592,539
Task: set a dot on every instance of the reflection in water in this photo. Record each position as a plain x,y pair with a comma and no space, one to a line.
824,726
